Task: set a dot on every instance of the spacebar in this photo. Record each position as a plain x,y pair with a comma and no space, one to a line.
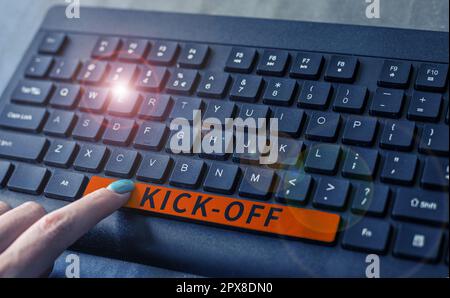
237,213
21,147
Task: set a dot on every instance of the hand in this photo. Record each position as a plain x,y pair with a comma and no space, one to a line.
30,240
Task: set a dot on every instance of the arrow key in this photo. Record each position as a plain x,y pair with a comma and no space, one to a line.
331,194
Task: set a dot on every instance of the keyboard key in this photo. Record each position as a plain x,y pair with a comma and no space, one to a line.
64,185
182,82
323,159
220,110
213,85
6,169
294,188
193,56
290,121
94,100
93,72
387,103
434,140
60,153
154,168
399,168
424,106
289,152
360,131
398,135
163,53
255,112
60,123
66,96
124,104
119,132
273,63
122,163
350,99
280,92
28,179
32,92
331,193
240,60
423,206
106,48
395,74
152,78
371,199
177,144
121,74
185,107
342,69
212,149
257,183
38,66
134,50
90,158
232,212
155,106
23,118
65,69
307,66
315,95
417,242
432,77
221,178
187,173
435,173
151,136
246,88
22,147
52,43
89,127
360,163
323,127
367,234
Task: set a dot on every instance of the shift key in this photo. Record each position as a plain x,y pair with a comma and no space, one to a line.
23,118
22,147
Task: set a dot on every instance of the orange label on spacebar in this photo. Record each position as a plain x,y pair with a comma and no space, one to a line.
249,215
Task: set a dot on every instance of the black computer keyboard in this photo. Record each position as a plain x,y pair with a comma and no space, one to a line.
363,143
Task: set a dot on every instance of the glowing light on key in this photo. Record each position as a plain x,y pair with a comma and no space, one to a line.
120,90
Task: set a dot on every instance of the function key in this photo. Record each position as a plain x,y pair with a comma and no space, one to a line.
163,53
240,60
38,66
432,77
307,66
418,242
273,63
65,69
395,74
134,50
52,43
342,69
193,56
106,47
32,92
366,234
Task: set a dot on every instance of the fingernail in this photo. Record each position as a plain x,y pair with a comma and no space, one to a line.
121,186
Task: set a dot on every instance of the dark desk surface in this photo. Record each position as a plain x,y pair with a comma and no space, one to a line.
20,19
